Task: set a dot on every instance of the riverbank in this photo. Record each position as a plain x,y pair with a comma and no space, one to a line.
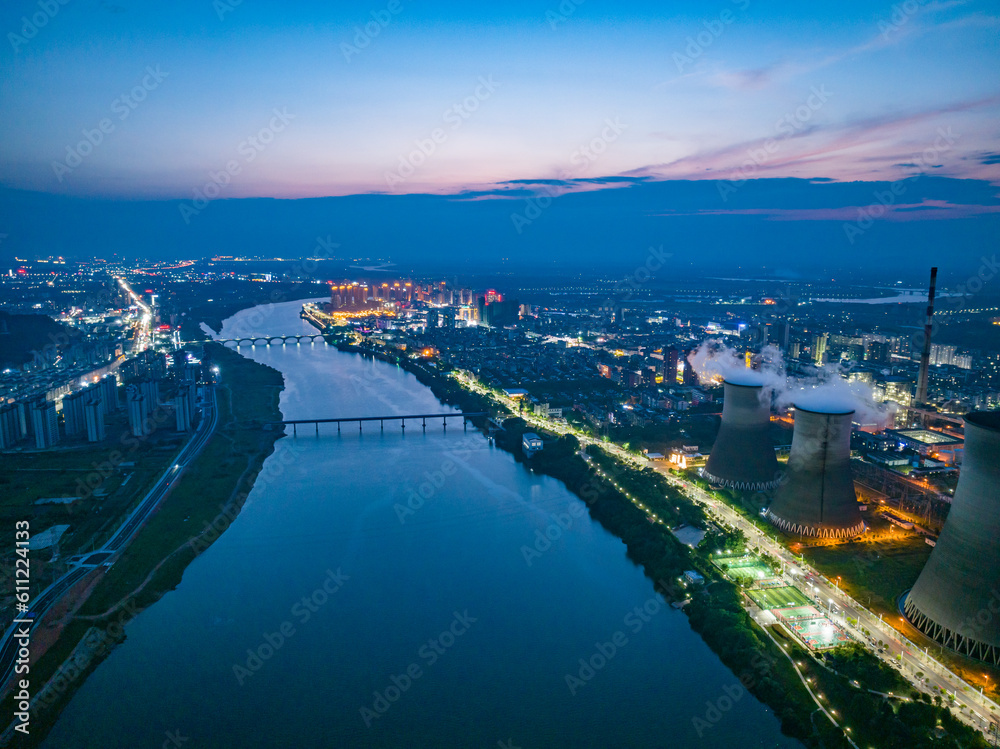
638,507
199,507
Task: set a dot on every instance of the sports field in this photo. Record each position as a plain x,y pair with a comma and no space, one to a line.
746,567
779,598
818,634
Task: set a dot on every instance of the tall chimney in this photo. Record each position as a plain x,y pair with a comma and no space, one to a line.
925,356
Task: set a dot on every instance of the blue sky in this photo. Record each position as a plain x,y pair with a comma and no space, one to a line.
666,119
696,87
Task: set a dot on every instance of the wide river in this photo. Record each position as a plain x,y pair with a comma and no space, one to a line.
379,582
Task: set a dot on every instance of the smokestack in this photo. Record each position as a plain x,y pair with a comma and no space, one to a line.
816,497
956,598
743,456
925,356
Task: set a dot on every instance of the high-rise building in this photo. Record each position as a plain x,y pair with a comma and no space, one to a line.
74,421
93,411
12,424
819,348
670,358
107,387
137,421
877,352
44,423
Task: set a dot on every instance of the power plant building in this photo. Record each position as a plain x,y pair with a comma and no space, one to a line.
743,455
954,601
816,497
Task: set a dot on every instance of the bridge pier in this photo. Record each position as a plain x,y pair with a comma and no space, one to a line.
402,424
425,423
444,422
317,429
295,432
381,425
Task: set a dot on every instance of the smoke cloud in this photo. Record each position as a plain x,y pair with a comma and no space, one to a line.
827,390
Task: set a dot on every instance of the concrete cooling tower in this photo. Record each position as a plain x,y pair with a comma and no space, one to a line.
816,498
743,456
956,599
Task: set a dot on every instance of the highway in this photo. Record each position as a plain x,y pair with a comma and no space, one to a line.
99,557
977,710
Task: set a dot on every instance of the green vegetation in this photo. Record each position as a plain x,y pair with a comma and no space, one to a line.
779,598
879,570
214,486
715,611
25,336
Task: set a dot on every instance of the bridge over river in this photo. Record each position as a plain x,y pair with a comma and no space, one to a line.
401,418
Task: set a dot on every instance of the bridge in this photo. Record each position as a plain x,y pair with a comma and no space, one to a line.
463,415
267,340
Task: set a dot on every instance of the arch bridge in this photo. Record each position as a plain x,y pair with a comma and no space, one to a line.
267,340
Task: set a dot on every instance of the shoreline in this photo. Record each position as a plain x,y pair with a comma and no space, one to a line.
154,563
762,665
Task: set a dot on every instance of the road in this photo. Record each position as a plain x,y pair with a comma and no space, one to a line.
842,607
100,557
978,710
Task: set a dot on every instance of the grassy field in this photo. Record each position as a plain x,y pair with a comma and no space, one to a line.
247,396
109,477
779,598
878,572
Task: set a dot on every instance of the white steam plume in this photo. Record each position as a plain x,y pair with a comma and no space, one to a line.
827,390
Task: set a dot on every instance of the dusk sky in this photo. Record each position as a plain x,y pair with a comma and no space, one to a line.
300,100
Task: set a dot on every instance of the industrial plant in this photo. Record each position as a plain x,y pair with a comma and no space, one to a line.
956,599
743,456
816,497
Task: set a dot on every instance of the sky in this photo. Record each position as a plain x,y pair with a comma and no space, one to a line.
115,100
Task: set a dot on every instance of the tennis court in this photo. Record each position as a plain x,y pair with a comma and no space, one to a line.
743,567
795,613
779,598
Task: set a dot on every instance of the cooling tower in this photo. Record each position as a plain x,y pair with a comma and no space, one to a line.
956,599
816,497
743,456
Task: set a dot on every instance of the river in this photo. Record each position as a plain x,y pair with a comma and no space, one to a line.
379,581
